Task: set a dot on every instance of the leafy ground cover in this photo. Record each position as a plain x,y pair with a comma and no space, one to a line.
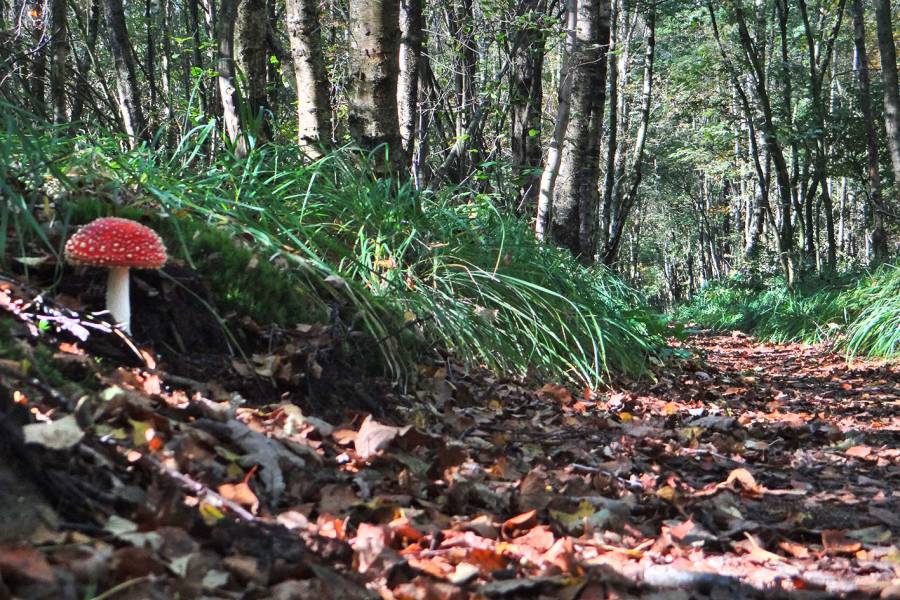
412,271
858,313
755,471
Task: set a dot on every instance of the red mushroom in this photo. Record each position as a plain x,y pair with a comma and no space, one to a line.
119,245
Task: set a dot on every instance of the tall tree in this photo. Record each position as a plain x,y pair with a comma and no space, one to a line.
819,67
251,54
412,36
550,172
619,208
130,103
576,203
84,61
526,102
752,51
374,64
879,234
227,78
885,26
313,106
59,50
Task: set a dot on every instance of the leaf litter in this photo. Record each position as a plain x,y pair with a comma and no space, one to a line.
751,471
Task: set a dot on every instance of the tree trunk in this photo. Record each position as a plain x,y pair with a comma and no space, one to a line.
250,38
817,74
165,70
150,60
228,86
575,207
621,209
313,106
612,143
526,100
879,234
197,64
83,62
412,24
561,123
38,53
59,49
374,62
884,24
770,137
130,105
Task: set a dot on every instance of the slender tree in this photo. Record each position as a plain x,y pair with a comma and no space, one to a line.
550,172
620,207
879,234
411,40
227,78
130,103
885,26
526,102
59,50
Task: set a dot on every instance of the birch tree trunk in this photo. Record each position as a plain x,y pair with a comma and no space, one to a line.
374,63
410,59
228,86
313,106
576,203
561,124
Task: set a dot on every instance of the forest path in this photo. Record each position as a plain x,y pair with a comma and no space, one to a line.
753,471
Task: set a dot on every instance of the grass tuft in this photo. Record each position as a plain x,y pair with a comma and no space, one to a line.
286,239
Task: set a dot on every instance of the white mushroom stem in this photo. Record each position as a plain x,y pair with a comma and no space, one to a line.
117,301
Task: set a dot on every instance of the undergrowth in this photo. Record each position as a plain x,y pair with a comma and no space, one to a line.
858,313
294,238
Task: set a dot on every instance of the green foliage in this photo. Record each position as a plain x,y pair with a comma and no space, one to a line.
876,329
858,313
284,238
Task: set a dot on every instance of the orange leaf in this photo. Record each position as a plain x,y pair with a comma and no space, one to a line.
519,523
835,542
240,493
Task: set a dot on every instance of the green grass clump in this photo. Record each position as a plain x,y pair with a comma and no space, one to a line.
419,271
876,329
857,312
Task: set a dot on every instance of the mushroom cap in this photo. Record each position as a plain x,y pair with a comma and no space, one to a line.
115,242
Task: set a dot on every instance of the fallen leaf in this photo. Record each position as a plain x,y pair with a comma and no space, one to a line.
55,435
373,437
835,542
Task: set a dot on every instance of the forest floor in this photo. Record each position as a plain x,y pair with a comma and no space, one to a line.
752,470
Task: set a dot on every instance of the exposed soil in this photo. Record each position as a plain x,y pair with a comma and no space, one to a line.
752,471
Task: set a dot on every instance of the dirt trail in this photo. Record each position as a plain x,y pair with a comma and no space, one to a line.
753,471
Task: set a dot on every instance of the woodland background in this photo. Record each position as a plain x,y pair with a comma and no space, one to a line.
464,299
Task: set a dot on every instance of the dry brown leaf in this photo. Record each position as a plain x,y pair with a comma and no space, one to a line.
742,481
373,437
836,542
22,561
516,525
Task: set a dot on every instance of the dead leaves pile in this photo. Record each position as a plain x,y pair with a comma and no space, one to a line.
751,475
